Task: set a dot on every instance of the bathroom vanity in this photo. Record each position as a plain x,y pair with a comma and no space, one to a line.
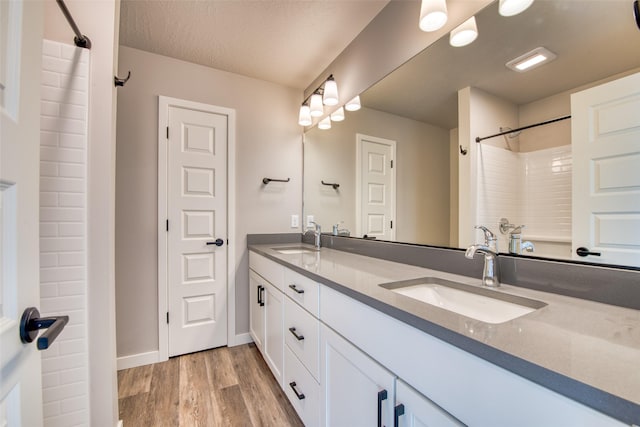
347,351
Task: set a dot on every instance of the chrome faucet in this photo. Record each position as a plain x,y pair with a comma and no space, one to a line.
516,245
317,233
490,273
490,239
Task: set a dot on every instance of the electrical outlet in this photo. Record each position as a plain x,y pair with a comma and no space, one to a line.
310,219
295,221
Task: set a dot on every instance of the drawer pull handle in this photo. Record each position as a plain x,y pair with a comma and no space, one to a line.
382,395
298,337
260,295
298,291
398,411
300,396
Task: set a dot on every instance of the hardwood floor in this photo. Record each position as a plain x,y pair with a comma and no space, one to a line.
220,387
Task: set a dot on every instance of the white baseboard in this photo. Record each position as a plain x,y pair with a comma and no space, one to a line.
120,424
241,339
140,359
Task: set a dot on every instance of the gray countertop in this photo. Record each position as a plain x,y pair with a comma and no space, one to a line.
585,350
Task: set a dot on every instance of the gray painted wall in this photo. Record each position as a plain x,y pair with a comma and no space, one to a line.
268,143
422,168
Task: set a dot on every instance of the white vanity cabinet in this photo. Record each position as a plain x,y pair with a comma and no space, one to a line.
356,390
267,311
412,409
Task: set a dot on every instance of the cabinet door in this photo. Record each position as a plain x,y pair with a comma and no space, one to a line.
415,410
256,309
273,327
356,391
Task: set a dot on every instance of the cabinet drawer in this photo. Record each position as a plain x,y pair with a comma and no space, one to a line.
270,270
302,335
302,389
302,290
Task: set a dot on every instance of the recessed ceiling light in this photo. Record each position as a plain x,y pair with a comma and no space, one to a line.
531,60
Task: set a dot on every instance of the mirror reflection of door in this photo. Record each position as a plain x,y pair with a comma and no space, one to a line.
375,187
606,175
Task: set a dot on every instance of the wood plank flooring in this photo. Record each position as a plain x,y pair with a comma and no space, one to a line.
221,387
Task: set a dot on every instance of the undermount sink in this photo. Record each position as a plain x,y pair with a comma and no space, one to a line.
486,305
294,250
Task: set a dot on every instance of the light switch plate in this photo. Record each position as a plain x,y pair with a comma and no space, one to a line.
295,221
310,219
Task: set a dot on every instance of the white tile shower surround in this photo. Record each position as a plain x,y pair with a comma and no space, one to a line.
527,188
63,223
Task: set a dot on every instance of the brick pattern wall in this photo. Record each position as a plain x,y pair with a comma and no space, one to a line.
63,224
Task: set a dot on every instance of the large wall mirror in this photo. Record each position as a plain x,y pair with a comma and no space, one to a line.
415,116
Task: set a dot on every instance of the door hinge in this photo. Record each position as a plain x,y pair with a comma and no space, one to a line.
167,225
167,317
391,224
391,163
167,132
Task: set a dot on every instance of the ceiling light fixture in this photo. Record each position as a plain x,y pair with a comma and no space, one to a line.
531,60
513,7
465,33
325,123
338,115
433,15
354,104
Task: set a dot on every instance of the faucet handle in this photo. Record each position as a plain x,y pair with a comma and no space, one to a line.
516,230
488,235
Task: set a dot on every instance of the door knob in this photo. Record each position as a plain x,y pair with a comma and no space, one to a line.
218,242
31,322
582,251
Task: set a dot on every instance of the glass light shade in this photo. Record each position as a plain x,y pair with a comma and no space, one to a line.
304,119
315,105
465,33
330,96
353,105
433,14
338,115
513,7
325,123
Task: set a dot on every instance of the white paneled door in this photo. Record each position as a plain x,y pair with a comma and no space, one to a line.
375,183
606,172
197,229
20,371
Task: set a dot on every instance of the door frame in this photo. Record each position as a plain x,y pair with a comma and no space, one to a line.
164,103
359,140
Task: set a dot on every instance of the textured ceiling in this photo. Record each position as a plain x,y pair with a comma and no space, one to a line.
288,42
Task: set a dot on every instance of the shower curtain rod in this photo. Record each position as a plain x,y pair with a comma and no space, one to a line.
478,139
80,39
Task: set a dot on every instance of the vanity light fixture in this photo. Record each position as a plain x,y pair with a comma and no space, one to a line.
465,33
330,94
338,115
433,15
315,105
325,123
354,104
531,60
513,7
304,119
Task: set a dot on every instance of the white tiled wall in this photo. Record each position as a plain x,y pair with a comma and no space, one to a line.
63,221
532,188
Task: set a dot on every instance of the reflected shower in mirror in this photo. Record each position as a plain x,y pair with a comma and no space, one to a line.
403,160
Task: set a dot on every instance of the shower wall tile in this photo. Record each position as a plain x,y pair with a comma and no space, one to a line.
63,222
